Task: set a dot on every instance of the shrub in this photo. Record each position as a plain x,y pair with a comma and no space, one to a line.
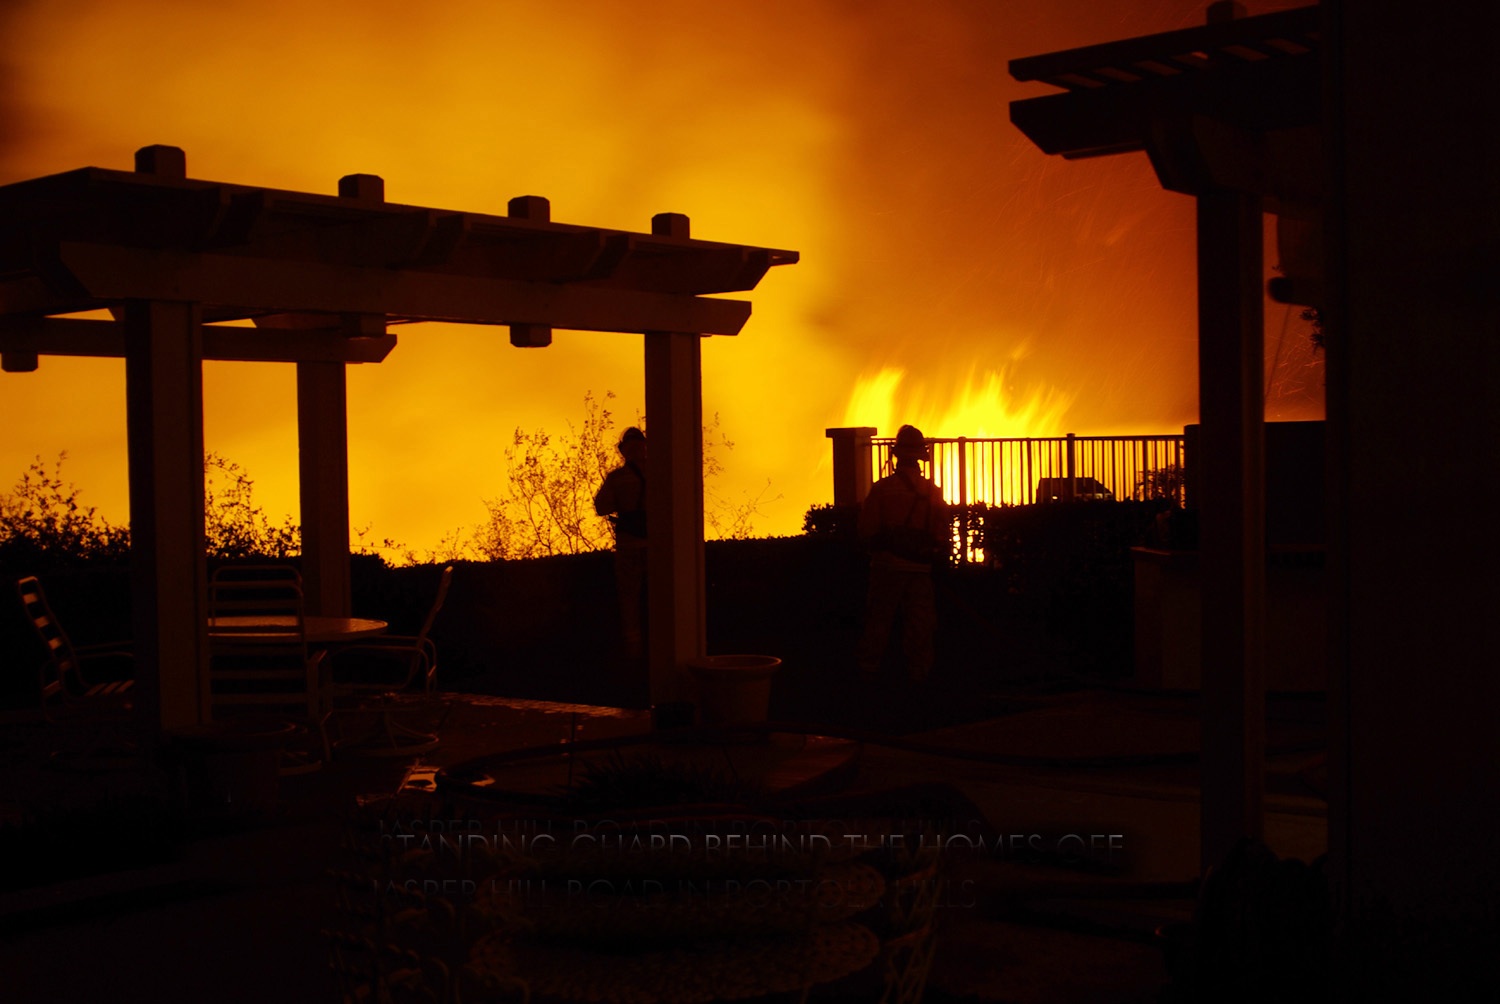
547,507
234,527
548,504
832,520
42,519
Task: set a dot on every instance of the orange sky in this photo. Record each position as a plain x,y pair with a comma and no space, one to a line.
951,274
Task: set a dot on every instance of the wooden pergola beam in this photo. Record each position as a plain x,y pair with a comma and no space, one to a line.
1260,74
149,210
31,295
76,336
105,272
1298,26
1119,118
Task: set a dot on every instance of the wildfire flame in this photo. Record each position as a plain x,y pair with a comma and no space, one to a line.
981,405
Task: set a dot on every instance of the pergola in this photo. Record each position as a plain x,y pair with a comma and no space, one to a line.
323,278
1228,113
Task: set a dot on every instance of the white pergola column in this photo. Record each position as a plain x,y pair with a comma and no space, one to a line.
164,418
676,629
323,476
323,452
1232,547
163,345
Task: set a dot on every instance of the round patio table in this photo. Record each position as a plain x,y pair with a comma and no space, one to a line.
316,630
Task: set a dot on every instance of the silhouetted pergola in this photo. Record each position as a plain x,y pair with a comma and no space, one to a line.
1229,113
322,278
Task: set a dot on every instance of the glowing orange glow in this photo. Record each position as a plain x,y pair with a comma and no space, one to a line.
952,275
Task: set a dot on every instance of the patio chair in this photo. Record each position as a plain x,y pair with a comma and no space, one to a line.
371,677
66,693
243,589
259,659
907,949
907,928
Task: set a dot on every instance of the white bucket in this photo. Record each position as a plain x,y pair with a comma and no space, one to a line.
734,689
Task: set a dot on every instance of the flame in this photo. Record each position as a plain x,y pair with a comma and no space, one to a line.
978,407
981,405
870,137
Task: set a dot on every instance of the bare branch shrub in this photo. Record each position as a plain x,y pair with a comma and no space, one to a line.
548,504
725,518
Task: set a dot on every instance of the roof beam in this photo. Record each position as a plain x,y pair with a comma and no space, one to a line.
147,210
33,294
75,336
1298,25
1257,97
113,273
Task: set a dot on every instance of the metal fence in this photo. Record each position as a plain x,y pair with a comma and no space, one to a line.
1014,471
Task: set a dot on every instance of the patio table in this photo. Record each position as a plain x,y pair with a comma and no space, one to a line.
316,630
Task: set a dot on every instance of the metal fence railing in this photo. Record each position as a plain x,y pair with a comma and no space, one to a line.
1023,471
1006,472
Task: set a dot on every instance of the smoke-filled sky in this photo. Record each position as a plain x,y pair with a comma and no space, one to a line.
951,275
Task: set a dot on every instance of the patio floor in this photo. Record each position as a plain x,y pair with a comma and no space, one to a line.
1109,774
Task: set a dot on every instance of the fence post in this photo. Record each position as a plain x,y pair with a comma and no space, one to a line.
1070,485
963,499
852,464
1028,487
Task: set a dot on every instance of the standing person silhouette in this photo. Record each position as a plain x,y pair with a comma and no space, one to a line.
622,498
904,522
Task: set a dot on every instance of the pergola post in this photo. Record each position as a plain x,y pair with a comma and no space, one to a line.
530,207
676,623
1231,412
323,473
164,419
1227,112
323,452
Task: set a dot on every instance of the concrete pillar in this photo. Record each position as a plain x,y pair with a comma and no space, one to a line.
853,465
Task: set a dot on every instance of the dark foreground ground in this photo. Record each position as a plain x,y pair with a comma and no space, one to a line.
236,915
1029,723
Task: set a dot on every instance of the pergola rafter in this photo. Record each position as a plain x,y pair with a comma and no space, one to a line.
24,339
321,278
